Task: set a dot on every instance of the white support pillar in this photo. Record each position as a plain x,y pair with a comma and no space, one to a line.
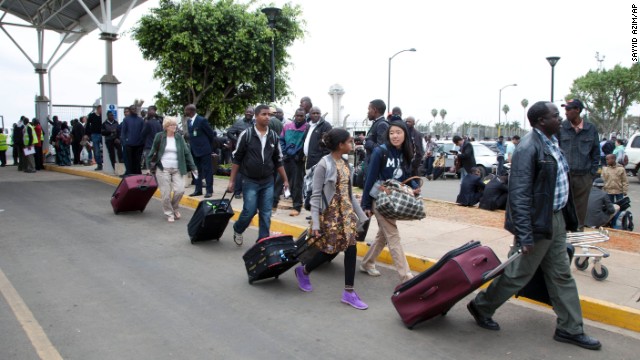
109,90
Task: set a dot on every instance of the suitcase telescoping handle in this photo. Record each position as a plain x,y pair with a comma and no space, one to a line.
498,270
144,184
230,198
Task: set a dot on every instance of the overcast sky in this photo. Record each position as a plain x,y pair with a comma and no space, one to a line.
466,51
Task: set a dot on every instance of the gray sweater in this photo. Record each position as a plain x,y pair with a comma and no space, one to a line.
324,181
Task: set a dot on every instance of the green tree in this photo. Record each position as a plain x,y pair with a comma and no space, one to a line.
524,104
505,110
608,94
434,113
216,54
443,113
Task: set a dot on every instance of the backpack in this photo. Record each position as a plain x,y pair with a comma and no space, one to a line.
623,221
307,187
622,158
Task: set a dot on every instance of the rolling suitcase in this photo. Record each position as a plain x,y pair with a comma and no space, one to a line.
210,219
454,276
270,257
133,193
305,250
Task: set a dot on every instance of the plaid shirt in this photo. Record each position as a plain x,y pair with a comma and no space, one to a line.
561,195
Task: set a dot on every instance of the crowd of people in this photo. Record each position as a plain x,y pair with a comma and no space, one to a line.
549,172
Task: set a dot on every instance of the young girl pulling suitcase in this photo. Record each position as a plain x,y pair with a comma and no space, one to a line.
335,214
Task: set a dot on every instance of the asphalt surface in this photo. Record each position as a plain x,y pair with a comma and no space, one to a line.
131,286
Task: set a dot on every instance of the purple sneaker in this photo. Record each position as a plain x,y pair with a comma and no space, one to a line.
351,298
303,280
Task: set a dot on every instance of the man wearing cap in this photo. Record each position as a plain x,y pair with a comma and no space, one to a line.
581,145
601,209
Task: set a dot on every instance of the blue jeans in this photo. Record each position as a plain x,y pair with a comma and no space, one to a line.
256,198
615,197
96,139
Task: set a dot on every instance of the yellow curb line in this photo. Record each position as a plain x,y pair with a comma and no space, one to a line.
593,309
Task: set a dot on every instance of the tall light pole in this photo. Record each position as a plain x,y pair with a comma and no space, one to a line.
389,81
272,13
553,60
500,104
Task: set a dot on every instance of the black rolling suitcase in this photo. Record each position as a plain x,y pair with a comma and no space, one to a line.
270,257
210,219
536,289
305,250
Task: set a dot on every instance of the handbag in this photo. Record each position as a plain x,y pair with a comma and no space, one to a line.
396,201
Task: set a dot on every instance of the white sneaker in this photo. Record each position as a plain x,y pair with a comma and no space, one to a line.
370,272
237,238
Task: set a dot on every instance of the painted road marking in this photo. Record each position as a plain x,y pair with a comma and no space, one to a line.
30,325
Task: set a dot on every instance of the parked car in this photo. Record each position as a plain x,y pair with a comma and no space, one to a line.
632,150
486,159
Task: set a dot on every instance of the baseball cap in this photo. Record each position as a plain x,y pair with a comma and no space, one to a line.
574,103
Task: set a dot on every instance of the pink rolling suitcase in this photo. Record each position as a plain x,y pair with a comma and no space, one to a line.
133,193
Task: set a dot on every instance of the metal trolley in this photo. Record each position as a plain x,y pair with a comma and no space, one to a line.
585,241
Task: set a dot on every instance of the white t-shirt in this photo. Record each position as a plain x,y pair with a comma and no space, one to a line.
170,156
312,126
511,147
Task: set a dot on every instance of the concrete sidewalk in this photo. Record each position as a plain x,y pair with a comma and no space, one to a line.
612,301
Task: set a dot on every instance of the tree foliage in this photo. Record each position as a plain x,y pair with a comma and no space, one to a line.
443,113
216,54
434,113
608,94
505,110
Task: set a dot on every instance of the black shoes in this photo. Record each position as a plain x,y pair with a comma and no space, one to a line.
581,340
99,168
195,193
483,322
208,195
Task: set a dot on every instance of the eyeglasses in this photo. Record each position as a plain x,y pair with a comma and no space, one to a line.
315,113
172,125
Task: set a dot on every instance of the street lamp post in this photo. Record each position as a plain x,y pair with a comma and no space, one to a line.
500,105
553,60
389,80
272,13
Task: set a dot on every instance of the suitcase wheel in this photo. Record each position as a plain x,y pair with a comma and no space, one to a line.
277,276
250,281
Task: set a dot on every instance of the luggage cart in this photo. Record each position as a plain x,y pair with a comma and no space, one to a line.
585,241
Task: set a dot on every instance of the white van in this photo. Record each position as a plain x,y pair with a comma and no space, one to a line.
632,150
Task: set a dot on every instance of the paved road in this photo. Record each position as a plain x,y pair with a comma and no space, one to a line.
131,286
449,188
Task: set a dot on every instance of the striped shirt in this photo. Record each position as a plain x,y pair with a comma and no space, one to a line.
561,195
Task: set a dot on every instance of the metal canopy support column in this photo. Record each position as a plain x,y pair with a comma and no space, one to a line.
42,102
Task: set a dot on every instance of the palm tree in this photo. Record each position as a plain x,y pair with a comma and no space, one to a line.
443,113
524,104
434,113
505,110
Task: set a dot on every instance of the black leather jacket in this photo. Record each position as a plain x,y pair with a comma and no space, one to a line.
532,183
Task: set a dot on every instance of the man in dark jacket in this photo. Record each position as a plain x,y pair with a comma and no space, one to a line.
152,126
466,158
600,210
131,134
377,134
540,210
312,137
77,133
94,130
495,194
202,139
257,157
580,142
471,188
232,133
112,139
